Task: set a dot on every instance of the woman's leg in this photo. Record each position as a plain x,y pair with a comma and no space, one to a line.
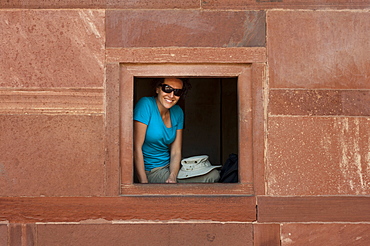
158,175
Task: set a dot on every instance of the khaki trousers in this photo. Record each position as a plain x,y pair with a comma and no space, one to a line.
161,174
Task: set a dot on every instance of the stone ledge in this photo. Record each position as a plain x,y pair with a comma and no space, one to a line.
186,55
76,209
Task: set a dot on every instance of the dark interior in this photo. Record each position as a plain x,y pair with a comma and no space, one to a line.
211,122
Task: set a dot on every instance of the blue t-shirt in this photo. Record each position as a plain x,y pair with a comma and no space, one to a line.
158,137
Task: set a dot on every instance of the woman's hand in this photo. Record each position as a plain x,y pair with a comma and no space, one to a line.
175,157
171,179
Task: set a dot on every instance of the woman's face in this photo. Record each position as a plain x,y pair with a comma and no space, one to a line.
167,100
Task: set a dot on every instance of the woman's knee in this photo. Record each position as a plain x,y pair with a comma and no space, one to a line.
213,176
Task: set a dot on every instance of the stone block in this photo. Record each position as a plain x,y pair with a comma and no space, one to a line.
3,234
300,209
142,4
185,28
29,234
319,49
187,55
319,102
266,234
50,155
15,234
129,208
52,48
189,233
318,156
153,4
52,101
325,234
281,4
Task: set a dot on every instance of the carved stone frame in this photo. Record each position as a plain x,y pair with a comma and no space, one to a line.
121,71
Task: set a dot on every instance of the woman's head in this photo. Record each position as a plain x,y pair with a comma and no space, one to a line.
169,90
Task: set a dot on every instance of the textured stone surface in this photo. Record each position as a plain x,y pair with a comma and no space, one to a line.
146,234
15,234
52,48
319,102
51,155
21,234
266,234
319,49
75,209
52,101
153,4
318,156
144,4
186,4
185,28
188,55
325,234
3,234
112,107
30,234
288,4
278,209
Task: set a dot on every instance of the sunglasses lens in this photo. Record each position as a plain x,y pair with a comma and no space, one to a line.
169,89
166,89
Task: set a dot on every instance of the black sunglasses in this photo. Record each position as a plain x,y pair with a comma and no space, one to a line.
168,89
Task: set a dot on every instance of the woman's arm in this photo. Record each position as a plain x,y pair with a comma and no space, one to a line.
175,157
139,137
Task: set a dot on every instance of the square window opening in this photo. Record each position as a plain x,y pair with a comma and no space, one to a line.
210,116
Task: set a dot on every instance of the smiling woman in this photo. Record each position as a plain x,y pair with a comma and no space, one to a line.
158,130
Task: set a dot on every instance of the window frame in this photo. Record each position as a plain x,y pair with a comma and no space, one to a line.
243,73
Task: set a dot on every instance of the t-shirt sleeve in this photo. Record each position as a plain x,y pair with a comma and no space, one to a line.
142,110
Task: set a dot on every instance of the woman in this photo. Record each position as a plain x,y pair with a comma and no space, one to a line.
158,126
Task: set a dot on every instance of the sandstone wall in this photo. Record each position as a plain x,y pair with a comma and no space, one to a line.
60,169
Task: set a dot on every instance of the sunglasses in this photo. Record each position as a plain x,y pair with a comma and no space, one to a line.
168,89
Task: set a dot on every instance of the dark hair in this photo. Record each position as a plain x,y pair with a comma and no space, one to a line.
186,86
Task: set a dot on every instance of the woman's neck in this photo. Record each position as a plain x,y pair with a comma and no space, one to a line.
162,110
